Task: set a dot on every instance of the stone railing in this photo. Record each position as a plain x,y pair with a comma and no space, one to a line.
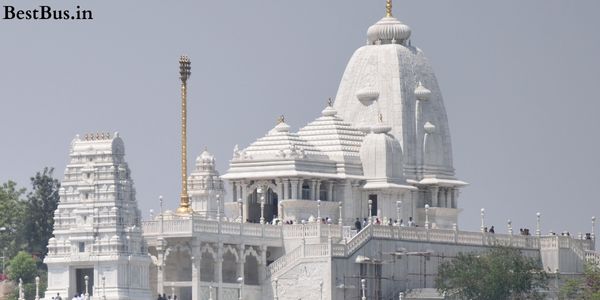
197,225
302,251
311,230
422,234
592,257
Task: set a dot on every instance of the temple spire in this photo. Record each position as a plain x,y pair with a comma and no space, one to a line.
184,72
388,8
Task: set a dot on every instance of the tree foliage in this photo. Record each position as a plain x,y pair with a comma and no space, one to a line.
22,266
12,214
499,273
586,288
41,204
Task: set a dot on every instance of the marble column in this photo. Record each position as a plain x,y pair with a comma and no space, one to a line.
285,185
234,196
196,257
455,193
294,183
313,189
241,261
318,191
161,266
262,268
330,190
244,195
219,271
434,196
281,189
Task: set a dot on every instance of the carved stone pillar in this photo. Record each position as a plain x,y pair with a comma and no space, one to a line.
234,191
313,189
318,191
246,205
160,266
219,271
196,257
330,190
280,189
434,196
455,193
294,183
241,261
262,268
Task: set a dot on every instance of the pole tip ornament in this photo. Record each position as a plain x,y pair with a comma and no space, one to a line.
184,68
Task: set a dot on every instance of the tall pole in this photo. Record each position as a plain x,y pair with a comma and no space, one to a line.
37,287
103,287
21,292
262,209
321,288
160,199
86,279
276,297
218,207
370,208
398,210
319,210
593,231
184,72
210,291
426,216
482,222
538,230
363,283
510,229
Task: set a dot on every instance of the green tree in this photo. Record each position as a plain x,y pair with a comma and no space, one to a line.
499,273
12,214
586,288
22,266
41,204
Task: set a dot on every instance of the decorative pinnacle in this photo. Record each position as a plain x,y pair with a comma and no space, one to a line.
281,119
388,8
380,118
330,102
184,68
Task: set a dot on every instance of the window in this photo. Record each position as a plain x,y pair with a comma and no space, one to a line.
81,247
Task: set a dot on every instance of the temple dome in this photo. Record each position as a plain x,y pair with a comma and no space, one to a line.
388,30
384,77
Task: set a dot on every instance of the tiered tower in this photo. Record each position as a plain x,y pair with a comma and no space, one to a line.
97,232
206,187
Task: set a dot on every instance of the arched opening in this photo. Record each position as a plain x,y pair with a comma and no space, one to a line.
178,266
229,269
270,207
250,270
207,267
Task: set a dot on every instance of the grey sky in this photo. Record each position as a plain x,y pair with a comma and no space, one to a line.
519,80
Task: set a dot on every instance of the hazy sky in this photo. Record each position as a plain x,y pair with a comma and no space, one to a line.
519,80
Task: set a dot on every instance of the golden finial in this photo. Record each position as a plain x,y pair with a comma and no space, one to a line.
281,119
388,8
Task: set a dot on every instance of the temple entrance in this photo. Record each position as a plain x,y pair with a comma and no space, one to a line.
80,280
271,206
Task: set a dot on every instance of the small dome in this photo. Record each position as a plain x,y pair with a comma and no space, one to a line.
205,158
429,128
329,111
422,93
381,128
367,95
388,30
282,127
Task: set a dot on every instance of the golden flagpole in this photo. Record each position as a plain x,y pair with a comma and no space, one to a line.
184,72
